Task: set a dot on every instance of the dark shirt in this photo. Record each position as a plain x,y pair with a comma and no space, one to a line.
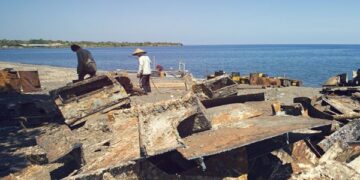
86,62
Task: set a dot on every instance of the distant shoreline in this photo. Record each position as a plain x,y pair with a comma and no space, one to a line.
58,47
40,43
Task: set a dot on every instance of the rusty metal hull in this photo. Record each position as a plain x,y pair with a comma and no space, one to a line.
247,132
90,96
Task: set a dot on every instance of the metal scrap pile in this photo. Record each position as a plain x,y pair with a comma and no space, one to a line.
211,132
337,154
259,79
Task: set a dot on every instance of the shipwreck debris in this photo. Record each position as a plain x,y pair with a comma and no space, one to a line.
19,81
347,133
81,99
220,86
249,131
210,132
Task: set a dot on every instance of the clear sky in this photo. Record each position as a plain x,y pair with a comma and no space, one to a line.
186,21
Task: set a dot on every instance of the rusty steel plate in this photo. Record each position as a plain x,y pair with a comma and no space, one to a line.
30,81
124,146
57,143
231,113
247,132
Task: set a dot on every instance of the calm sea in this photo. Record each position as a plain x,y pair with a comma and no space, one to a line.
311,63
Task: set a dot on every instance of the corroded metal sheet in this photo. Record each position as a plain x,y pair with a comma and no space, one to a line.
9,81
57,143
349,132
231,113
159,122
30,81
124,146
339,105
221,86
31,172
19,81
87,97
247,132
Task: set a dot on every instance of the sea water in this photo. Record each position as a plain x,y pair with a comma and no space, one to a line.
313,64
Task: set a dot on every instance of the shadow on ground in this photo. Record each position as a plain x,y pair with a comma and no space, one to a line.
21,118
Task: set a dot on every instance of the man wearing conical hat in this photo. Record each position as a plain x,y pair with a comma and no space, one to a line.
144,71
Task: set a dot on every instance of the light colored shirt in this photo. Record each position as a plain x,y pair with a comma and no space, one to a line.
85,59
144,65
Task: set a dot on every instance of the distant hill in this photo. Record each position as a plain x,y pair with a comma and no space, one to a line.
4,43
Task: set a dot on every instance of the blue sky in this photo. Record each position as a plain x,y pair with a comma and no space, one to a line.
186,21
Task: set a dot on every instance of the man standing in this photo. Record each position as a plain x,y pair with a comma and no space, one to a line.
86,62
144,71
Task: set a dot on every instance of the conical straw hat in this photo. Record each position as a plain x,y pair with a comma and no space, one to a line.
138,51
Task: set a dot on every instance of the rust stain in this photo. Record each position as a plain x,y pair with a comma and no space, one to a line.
228,138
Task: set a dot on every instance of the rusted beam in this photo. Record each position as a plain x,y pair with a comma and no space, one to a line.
124,145
233,99
312,111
